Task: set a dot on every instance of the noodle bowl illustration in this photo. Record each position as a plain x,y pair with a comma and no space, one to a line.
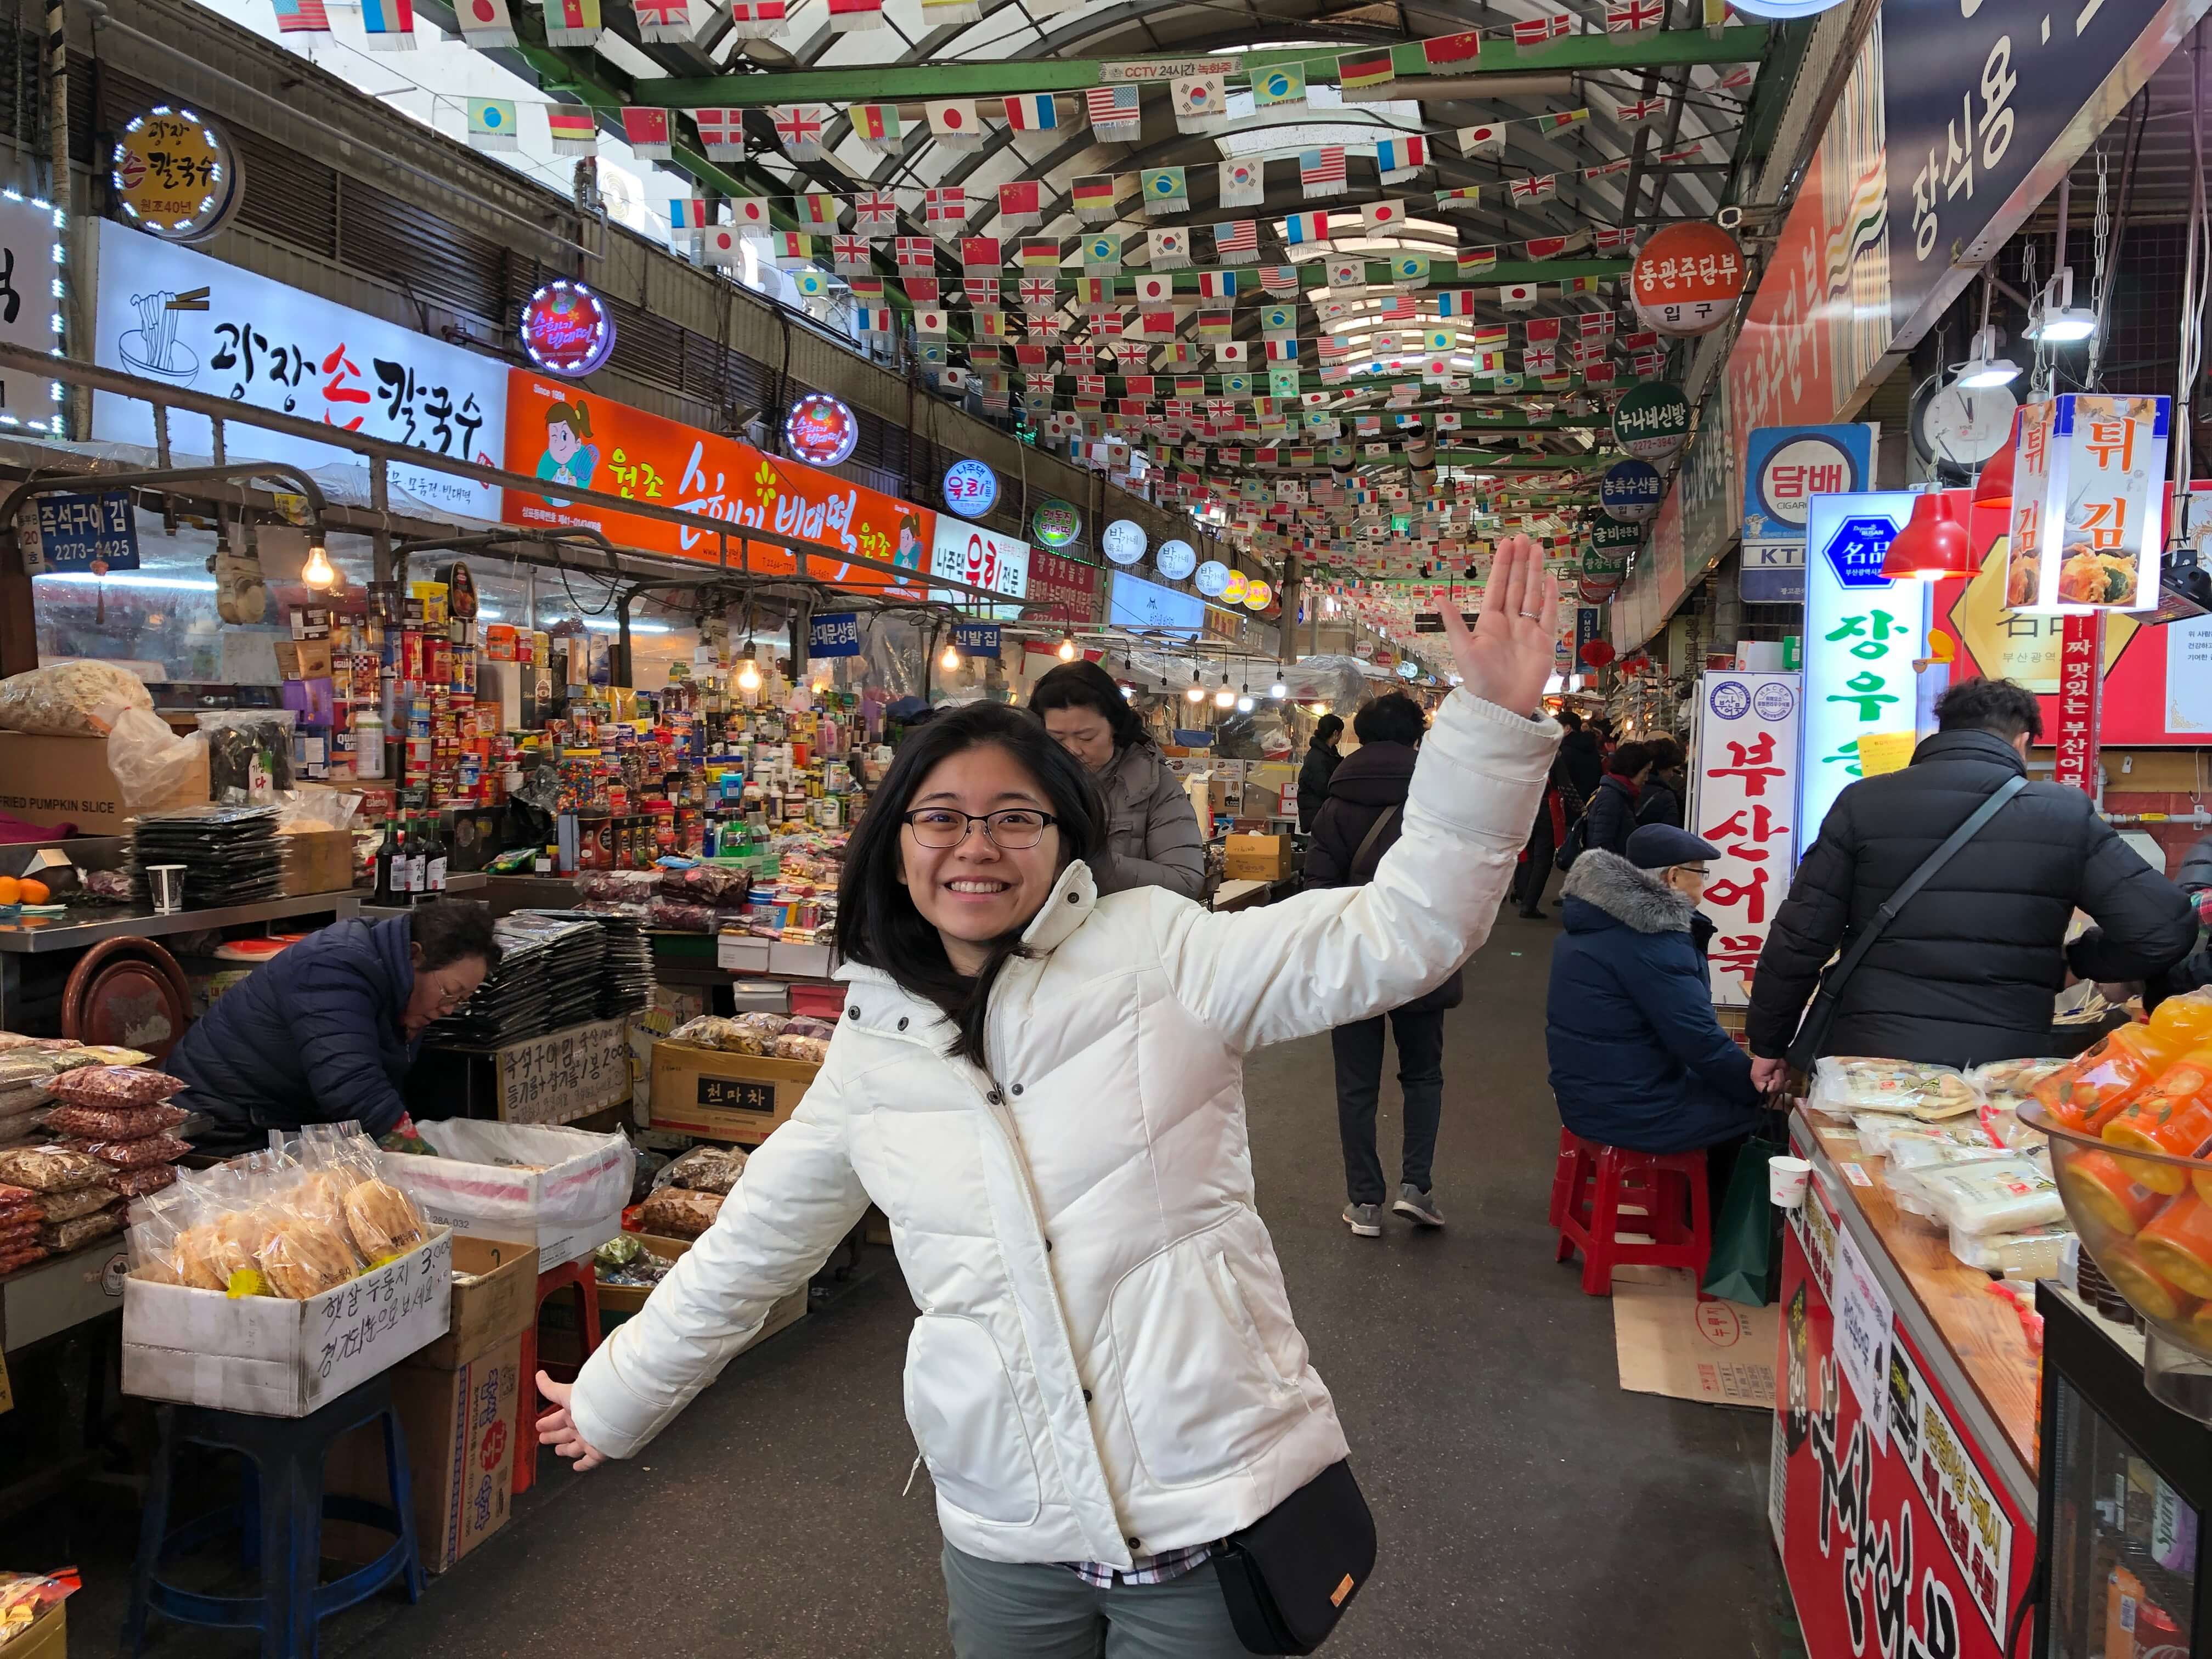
153,347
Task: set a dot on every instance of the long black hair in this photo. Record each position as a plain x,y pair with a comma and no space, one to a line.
1086,685
876,921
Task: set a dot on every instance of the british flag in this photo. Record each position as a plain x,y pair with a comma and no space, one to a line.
849,255
1541,189
1736,79
915,253
945,205
1040,293
1641,109
875,210
799,129
1624,16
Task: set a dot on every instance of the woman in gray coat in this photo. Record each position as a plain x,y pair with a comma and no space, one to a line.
1152,836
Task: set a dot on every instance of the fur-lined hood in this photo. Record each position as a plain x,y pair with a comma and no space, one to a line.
1637,898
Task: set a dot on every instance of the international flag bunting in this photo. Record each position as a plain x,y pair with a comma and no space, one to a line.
1546,247
1281,281
1453,54
945,205
875,210
1039,294
1477,261
983,295
1410,269
308,16
1465,198
1153,327
1166,191
1167,250
1490,336
849,256
1385,214
922,290
1736,78
930,320
687,213
1217,285
1102,250
978,253
755,20
1114,115
1282,347
1455,302
1154,290
851,17
1092,196
1715,16
1596,325
1606,169
1402,309
721,133
1305,229
1359,73
1541,330
1579,285
952,122
749,211
1537,31
1613,238
491,123
1019,205
1639,109
1401,158
1232,352
1517,296
791,248
1278,319
799,128
1321,172
812,284
818,211
1691,152
1200,102
876,125
1237,242
1542,188
663,20
390,24
1041,254
1243,184
1632,16
867,289
1285,83
915,253
484,23
1217,325
1558,120
1488,139
1283,382
721,244
645,131
567,22
1032,112
1347,271
876,320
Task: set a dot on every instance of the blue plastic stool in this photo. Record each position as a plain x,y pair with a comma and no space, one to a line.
279,1521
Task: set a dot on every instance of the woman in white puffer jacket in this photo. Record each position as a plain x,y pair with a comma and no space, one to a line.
1043,1091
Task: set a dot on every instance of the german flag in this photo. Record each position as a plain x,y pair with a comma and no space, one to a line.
1357,71
1094,191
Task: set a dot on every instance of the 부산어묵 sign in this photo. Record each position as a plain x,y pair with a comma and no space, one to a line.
1743,801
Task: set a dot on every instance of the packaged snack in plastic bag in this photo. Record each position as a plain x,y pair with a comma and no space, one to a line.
25,1595
115,1086
676,1212
2032,1253
1844,1084
71,699
61,1235
703,1170
2000,1195
383,1220
810,1050
107,1053
137,1183
79,1201
49,1168
114,1122
806,1025
132,1154
706,1031
26,1068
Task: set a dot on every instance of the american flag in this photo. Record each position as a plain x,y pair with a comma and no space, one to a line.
1281,281
915,253
1321,172
1535,31
945,205
1622,16
299,17
875,210
799,129
1404,309
849,255
1236,242
1113,112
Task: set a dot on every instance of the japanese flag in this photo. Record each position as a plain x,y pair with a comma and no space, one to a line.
930,322
1487,140
1383,215
722,244
1155,290
1517,296
749,210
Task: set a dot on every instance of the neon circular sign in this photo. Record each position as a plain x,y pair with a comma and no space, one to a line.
1124,541
971,489
1213,577
175,174
1056,523
820,430
1175,559
566,329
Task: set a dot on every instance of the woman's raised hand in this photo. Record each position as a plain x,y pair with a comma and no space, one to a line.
1507,656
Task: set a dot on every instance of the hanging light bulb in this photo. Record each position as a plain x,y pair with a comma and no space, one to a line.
1224,698
1196,692
950,660
1278,690
2055,320
317,572
1983,367
1067,647
749,676
1244,699
1128,692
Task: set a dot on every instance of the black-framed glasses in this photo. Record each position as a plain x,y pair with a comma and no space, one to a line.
1013,827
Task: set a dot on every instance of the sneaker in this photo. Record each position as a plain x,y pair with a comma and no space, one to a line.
1365,1220
1421,1206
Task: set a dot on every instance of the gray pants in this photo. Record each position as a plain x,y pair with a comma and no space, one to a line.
1040,1611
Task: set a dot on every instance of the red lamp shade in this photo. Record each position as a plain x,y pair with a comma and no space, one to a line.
1598,652
1993,489
1933,545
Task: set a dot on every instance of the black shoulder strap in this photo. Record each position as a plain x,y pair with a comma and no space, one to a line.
1367,842
1920,878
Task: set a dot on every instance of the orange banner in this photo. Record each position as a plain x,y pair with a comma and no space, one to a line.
562,434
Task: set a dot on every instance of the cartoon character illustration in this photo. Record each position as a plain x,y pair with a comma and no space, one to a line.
909,556
570,457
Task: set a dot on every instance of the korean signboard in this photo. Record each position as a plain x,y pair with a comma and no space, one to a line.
968,553
975,639
2081,681
169,315
1897,1536
1065,588
1136,603
2089,504
834,634
1784,467
1744,802
557,434
97,533
1651,421
174,174
31,304
567,1075
1862,634
1686,278
1630,491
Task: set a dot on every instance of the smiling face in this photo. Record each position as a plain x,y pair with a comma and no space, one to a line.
1085,733
561,440
978,890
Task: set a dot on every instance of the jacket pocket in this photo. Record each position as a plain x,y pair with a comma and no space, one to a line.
1206,1389
960,1404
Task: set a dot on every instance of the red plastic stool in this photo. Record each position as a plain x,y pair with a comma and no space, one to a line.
584,1279
1592,1184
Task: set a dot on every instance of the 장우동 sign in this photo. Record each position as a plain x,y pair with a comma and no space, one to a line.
1862,634
820,429
1651,421
92,531
566,329
834,634
175,174
1784,467
1743,802
971,489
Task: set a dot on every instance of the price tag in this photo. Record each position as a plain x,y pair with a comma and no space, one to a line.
1862,1338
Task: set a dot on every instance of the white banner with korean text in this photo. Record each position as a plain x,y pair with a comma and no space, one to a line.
1742,799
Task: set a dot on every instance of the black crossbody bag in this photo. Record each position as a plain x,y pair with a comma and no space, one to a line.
1289,1576
1812,1030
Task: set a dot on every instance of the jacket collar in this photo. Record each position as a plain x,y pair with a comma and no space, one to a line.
1970,745
1637,898
1628,787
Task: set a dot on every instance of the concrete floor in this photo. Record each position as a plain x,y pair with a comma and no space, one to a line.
1526,1505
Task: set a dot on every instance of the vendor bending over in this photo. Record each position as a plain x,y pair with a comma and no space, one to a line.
326,1030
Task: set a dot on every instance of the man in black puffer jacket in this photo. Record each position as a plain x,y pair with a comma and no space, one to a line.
1967,971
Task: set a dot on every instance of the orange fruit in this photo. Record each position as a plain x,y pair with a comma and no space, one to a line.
33,893
11,891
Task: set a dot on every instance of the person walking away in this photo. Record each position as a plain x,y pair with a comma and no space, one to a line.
1320,764
1638,1058
1966,970
1153,833
1580,749
1043,1090
1668,787
1560,808
1359,823
1611,815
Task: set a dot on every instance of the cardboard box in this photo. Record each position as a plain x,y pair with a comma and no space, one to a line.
317,861
50,781
275,1357
47,1638
1257,858
721,1097
495,1297
304,659
567,1208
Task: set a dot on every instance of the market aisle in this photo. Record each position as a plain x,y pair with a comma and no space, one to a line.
1527,1505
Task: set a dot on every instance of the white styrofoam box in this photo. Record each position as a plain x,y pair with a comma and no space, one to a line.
272,1357
739,953
570,1207
801,961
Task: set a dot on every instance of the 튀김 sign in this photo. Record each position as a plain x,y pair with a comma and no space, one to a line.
2088,503
1652,421
1785,468
1743,801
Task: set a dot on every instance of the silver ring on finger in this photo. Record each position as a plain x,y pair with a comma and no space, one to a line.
1532,616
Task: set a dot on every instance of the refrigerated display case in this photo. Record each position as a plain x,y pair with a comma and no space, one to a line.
2124,1480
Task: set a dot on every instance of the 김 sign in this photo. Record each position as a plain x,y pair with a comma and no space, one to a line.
1687,279
1055,523
820,430
566,329
176,175
1651,421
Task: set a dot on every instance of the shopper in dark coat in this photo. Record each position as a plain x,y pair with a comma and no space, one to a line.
1369,788
1580,749
1637,1056
1558,809
1611,814
1668,786
1320,764
1153,837
325,1030
1967,970
2194,971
